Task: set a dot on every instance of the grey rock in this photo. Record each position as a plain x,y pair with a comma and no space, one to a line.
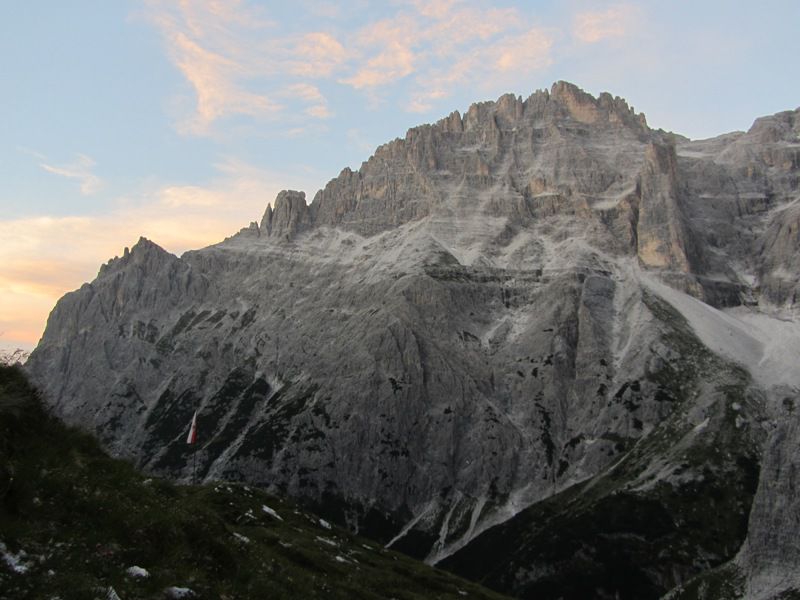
289,217
474,329
779,248
662,237
770,554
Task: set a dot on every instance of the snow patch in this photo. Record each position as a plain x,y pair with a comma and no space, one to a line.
327,541
766,346
438,552
178,593
477,510
111,594
16,562
325,524
137,572
781,340
270,512
242,538
424,512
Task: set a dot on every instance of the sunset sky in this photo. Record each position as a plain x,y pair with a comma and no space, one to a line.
180,120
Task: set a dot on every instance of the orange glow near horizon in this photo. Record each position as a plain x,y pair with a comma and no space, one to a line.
30,287
42,258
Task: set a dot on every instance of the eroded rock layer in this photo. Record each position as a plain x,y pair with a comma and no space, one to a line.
539,342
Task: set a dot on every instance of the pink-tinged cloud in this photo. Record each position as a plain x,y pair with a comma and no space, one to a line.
472,28
311,96
238,63
209,42
394,62
213,78
523,53
485,66
316,55
319,111
329,10
444,46
437,9
596,26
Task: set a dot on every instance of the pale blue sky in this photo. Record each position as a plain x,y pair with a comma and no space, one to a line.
182,119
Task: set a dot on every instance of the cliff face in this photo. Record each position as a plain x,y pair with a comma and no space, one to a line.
552,145
541,313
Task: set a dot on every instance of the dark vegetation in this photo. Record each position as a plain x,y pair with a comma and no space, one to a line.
75,520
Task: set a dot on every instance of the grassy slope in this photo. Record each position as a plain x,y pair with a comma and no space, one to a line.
82,519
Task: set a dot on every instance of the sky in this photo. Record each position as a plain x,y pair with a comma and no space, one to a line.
180,120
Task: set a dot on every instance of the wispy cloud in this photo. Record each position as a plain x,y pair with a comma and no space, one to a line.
433,8
33,153
240,63
316,54
444,45
617,21
208,42
309,95
392,62
80,169
330,10
214,78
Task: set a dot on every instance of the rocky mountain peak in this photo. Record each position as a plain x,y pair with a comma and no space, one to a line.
143,253
783,126
549,142
581,106
538,312
605,109
145,248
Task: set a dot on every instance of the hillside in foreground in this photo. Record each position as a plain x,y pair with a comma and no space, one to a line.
75,523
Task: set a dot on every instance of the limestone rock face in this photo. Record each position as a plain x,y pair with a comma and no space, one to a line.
537,342
779,247
770,554
519,157
662,236
289,217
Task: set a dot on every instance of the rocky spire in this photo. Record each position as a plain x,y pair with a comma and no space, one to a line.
289,217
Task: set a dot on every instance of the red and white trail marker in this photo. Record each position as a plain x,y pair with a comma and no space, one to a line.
192,437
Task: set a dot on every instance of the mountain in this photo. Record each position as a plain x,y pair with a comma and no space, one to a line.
539,343
75,523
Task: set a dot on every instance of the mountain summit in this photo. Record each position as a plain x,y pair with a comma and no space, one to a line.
540,344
